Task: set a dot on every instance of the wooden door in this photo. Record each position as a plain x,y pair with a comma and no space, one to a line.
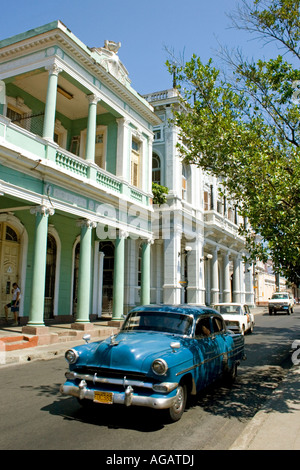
9,262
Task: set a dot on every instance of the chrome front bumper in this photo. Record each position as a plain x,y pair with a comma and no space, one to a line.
127,398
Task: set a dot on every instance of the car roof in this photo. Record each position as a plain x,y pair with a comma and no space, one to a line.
181,308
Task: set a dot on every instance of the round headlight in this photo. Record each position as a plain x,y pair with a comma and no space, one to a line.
71,356
159,366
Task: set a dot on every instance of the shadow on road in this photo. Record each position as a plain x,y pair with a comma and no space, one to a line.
112,417
241,401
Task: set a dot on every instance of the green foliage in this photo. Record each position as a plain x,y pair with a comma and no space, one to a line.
159,194
247,131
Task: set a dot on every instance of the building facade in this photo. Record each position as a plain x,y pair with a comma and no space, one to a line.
79,149
198,253
75,175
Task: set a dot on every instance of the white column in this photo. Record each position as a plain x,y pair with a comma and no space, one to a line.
249,288
50,108
236,294
226,277
157,279
195,290
132,291
91,128
242,281
215,278
98,280
123,149
172,255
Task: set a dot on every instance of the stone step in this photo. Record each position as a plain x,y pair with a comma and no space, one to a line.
12,343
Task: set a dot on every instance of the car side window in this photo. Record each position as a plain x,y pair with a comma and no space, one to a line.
218,325
203,328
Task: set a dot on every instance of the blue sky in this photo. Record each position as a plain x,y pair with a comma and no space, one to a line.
144,28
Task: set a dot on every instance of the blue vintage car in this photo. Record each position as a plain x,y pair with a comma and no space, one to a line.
161,355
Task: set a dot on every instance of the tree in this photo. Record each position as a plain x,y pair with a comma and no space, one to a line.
246,130
159,194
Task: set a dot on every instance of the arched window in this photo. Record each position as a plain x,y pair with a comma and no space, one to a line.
156,169
10,234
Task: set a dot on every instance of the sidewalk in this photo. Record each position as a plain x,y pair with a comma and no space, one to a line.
19,347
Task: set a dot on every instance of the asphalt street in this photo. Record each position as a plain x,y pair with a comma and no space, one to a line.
35,416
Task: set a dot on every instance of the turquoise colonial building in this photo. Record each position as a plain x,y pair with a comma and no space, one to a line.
79,149
75,179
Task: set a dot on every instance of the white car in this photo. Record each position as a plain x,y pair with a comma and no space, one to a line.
238,317
281,302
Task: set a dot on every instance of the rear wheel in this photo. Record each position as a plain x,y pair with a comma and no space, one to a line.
176,411
230,375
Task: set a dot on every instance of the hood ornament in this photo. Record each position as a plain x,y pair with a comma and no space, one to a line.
113,341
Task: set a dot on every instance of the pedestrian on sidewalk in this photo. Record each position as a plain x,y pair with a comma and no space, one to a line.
14,304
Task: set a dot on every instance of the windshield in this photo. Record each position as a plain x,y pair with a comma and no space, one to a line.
280,296
167,322
229,309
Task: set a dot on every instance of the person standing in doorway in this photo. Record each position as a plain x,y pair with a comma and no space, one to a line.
14,304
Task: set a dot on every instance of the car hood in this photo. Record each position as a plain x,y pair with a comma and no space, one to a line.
132,351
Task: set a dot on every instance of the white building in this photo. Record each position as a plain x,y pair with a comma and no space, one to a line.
198,256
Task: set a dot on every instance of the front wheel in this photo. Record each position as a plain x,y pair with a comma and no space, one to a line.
176,411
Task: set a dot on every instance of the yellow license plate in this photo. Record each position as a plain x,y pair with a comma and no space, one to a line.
103,397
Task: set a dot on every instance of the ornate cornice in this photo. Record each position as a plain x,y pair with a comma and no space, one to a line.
87,59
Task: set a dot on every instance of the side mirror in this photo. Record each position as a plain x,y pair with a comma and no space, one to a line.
175,345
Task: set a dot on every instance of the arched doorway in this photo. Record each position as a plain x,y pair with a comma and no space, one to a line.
108,249
9,262
50,277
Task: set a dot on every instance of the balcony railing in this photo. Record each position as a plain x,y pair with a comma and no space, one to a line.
34,147
161,95
218,221
71,163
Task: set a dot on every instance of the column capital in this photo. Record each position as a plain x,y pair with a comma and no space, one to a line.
53,69
122,121
43,210
86,223
148,241
123,234
93,99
